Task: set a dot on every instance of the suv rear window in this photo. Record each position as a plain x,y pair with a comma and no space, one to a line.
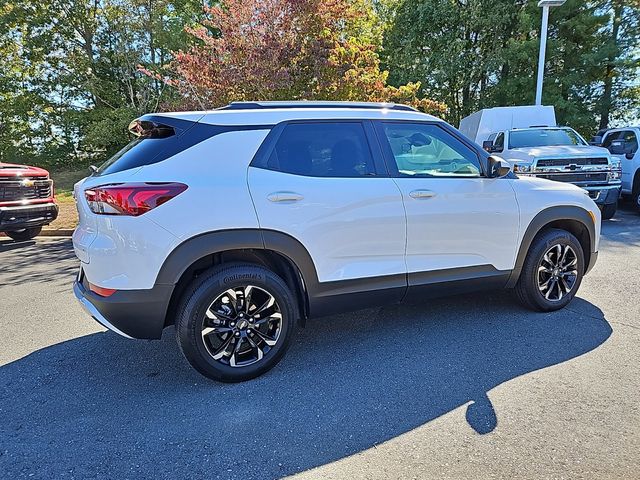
323,149
158,138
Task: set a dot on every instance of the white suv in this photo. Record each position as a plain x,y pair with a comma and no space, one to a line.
237,224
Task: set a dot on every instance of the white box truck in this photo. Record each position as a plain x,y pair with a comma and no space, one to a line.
529,139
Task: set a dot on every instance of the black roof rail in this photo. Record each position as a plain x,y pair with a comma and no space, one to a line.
314,104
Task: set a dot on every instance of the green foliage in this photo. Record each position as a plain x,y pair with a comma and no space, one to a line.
483,53
69,73
74,73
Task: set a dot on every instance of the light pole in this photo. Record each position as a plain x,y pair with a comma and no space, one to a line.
545,4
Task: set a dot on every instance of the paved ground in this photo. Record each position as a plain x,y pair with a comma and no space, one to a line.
473,387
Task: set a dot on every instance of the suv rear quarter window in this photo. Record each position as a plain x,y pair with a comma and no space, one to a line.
165,137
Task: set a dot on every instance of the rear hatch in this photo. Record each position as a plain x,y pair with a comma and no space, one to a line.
154,139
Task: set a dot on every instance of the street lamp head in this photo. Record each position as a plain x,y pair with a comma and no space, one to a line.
551,3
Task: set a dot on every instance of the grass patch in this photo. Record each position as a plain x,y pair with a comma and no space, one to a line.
67,215
63,181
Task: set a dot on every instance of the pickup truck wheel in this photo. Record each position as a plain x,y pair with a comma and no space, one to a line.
635,198
24,234
552,271
235,322
608,211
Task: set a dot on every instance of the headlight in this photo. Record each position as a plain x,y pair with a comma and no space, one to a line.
522,168
616,169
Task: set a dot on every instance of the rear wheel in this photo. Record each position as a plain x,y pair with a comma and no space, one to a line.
552,271
24,234
236,322
608,211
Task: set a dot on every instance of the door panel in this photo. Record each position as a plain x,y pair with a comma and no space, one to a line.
467,222
352,227
319,184
456,218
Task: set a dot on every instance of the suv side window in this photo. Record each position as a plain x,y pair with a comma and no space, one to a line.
323,149
426,150
499,143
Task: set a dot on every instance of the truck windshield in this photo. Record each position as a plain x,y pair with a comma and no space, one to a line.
542,137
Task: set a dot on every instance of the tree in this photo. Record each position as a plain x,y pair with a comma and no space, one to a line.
620,91
453,48
480,53
287,49
70,77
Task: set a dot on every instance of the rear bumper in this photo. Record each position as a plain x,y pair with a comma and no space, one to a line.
130,313
605,194
26,216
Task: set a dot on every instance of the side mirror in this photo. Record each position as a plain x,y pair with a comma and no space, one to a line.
487,146
629,155
498,167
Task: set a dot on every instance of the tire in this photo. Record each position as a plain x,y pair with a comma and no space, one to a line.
635,198
210,322
24,234
531,290
608,211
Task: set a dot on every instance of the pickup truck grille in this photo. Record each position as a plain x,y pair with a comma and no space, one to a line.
560,162
12,190
575,177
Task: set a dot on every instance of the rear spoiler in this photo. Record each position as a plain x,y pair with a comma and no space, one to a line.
150,129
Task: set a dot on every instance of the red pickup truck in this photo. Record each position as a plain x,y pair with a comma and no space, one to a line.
26,201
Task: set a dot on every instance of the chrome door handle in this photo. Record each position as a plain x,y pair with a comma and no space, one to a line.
422,194
284,197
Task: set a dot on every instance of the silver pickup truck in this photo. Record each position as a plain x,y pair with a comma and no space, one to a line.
526,137
561,154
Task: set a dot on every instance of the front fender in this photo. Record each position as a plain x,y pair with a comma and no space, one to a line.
548,217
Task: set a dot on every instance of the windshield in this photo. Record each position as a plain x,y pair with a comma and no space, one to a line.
543,137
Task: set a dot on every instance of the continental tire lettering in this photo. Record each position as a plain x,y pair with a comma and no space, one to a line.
243,276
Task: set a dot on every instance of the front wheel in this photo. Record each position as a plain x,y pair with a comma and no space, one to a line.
24,234
552,271
236,322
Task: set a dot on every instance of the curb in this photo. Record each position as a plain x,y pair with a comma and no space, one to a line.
60,232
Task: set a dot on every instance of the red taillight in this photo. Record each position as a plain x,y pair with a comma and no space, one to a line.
131,198
103,292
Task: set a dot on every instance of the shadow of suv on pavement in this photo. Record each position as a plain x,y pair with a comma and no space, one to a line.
103,406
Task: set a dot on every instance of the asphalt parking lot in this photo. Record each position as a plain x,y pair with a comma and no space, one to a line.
469,387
